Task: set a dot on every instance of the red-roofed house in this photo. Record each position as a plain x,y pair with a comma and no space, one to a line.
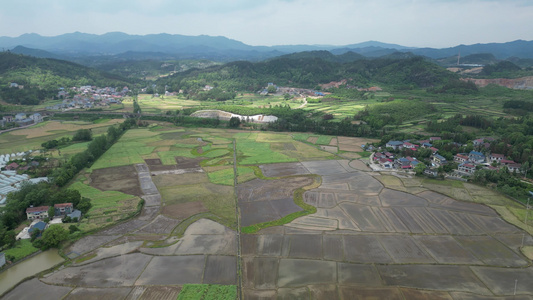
460,158
467,168
40,212
435,138
478,142
12,166
63,209
385,163
434,150
409,146
507,162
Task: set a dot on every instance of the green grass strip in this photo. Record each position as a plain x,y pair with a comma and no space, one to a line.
208,292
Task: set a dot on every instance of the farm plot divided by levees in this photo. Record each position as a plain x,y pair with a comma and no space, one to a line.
422,242
268,200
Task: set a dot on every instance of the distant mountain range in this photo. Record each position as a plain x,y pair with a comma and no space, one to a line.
78,46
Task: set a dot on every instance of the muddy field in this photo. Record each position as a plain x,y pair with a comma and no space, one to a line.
268,200
123,179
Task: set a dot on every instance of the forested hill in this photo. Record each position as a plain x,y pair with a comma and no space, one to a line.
308,71
41,77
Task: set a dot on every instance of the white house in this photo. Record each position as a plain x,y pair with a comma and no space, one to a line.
37,118
496,157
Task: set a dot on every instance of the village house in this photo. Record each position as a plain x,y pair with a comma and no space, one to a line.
8,119
431,172
496,157
20,116
40,226
408,145
435,138
460,158
37,118
406,162
63,209
514,168
506,162
467,168
478,142
438,159
40,212
394,145
476,157
385,163
12,166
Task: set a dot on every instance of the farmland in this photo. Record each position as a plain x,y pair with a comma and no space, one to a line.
31,138
359,228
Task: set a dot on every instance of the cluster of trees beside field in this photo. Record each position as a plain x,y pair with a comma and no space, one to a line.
50,193
62,175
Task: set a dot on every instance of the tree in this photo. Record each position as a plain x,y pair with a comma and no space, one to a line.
51,212
234,122
84,205
53,236
35,234
271,89
83,135
419,169
73,228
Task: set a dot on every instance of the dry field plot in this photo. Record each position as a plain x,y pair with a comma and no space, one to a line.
123,179
54,127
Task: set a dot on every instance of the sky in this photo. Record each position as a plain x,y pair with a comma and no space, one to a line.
414,23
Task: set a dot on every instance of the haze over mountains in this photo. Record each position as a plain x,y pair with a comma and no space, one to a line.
123,46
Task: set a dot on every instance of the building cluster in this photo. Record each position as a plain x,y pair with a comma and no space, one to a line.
38,215
295,92
467,163
88,97
21,119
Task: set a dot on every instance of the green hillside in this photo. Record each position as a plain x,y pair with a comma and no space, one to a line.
41,78
309,69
